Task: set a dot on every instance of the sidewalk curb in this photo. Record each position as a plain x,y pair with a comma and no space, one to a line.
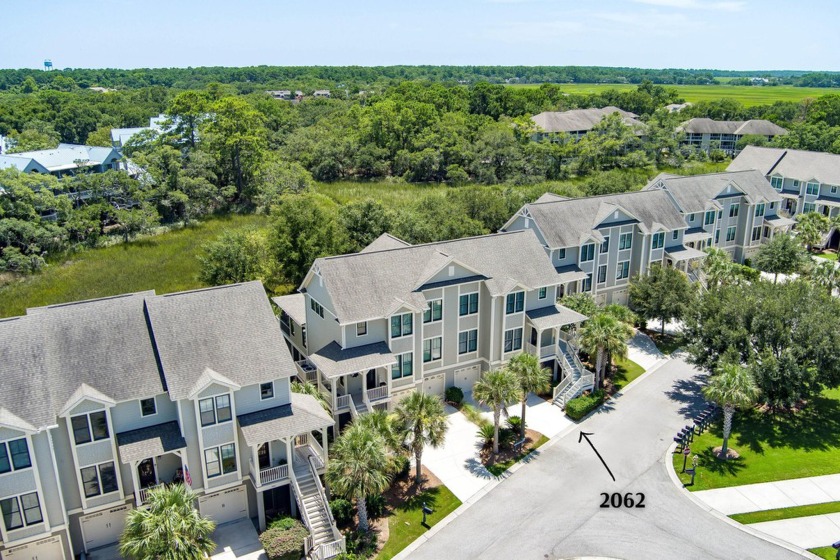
668,465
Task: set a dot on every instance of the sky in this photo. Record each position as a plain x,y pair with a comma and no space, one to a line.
723,34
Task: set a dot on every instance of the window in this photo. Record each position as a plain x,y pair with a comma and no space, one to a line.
361,328
759,209
812,188
730,233
777,182
14,454
401,325
733,210
148,407
625,241
710,218
675,235
796,183
431,349
515,302
267,390
602,274
467,341
586,284
404,366
94,424
561,254
20,510
99,479
220,460
214,410
772,205
513,340
659,240
434,312
717,236
605,246
542,293
720,214
316,307
756,233
808,207
833,189
691,217
468,304
766,231
587,252
623,270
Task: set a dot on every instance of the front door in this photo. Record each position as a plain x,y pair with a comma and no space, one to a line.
533,336
263,456
371,379
146,473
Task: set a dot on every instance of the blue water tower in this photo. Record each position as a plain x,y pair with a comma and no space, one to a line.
47,65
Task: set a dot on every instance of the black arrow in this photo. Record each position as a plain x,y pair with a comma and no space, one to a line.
585,436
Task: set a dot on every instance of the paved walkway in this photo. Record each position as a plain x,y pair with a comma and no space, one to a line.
806,532
773,495
237,540
644,352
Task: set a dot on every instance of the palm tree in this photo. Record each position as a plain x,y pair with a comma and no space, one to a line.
824,274
718,267
307,388
603,335
359,467
170,528
732,387
532,379
384,424
496,389
422,421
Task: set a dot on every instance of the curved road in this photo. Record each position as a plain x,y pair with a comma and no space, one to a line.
549,509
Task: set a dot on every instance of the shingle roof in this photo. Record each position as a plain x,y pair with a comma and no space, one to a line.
579,119
554,316
567,223
303,415
294,305
333,361
681,253
364,286
229,329
796,164
384,242
693,193
62,157
754,126
152,441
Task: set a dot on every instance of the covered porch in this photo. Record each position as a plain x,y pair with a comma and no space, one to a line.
570,277
697,238
550,335
682,257
155,456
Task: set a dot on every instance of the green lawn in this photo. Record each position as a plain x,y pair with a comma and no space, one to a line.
828,255
747,95
497,469
772,447
826,552
625,372
164,263
405,524
786,513
667,344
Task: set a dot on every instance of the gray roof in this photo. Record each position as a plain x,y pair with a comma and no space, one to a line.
755,126
779,221
303,415
570,273
332,361
696,234
294,305
567,223
796,164
61,158
578,120
693,193
554,316
151,441
230,330
681,253
384,242
375,284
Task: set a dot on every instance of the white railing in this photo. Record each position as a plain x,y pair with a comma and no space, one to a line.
337,545
353,412
303,514
329,550
306,440
143,493
344,401
273,474
562,385
307,370
377,394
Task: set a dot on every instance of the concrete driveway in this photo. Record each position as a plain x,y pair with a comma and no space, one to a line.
237,540
540,414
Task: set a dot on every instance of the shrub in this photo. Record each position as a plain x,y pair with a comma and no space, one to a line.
514,423
284,523
284,540
342,510
360,544
506,436
402,464
580,406
375,506
348,556
474,415
454,395
486,433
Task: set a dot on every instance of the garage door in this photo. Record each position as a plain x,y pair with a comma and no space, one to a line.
433,385
45,549
225,506
620,297
104,527
465,378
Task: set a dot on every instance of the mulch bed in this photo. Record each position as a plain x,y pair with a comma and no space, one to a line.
506,453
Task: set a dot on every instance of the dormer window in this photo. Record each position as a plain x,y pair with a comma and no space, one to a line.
14,454
777,182
401,325
90,427
659,240
148,407
515,303
214,410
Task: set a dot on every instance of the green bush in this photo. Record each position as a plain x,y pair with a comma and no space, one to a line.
285,523
514,423
284,539
360,544
402,464
579,407
375,506
454,395
342,510
486,433
348,556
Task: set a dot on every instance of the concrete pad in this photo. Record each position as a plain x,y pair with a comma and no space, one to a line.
772,495
237,540
643,351
111,552
807,532
830,484
804,491
766,496
727,500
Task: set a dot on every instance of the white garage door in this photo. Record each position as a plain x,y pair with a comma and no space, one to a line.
465,378
225,506
104,527
45,549
434,385
620,297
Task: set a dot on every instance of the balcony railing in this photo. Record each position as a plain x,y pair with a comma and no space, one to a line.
378,393
273,474
545,351
343,401
307,370
143,494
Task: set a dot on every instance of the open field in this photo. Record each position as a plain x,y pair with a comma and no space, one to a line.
747,95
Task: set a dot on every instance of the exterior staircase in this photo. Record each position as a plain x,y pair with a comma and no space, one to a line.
325,540
578,379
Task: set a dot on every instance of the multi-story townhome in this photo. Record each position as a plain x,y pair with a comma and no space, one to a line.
66,159
598,243
396,318
106,399
707,134
735,211
574,124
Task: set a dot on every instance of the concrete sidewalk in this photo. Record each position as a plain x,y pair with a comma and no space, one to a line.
642,350
773,495
807,532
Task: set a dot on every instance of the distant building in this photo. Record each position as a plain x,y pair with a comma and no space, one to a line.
280,94
99,89
321,93
66,159
578,122
160,124
707,134
677,107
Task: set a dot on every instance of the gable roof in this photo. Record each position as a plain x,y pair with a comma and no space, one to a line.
384,242
374,284
796,164
755,126
61,158
578,120
693,193
568,223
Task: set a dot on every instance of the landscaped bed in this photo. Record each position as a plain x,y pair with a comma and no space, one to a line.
507,457
626,370
666,343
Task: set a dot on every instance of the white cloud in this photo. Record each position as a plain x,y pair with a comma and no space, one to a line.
726,6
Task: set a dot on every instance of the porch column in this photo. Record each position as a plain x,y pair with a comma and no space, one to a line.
255,466
180,453
290,463
324,446
334,388
261,510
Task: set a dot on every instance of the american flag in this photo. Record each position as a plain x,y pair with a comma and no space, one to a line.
187,477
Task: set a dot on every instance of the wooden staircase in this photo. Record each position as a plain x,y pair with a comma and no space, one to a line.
325,540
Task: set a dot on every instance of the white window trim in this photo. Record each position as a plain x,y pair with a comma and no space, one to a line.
12,468
24,524
140,404
273,393
521,340
514,312
458,350
90,428
423,358
544,296
99,479
215,410
431,314
365,323
402,334
221,468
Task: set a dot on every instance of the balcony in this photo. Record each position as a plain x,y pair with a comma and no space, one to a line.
543,352
377,394
306,371
143,494
274,474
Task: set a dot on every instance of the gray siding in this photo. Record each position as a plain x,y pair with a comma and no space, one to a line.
52,506
189,428
126,415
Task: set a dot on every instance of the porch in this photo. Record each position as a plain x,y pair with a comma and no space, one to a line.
155,456
683,258
546,337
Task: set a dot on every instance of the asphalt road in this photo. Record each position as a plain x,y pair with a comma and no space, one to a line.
550,508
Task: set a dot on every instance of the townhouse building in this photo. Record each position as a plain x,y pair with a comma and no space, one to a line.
66,159
598,243
707,134
105,399
736,211
371,327
556,125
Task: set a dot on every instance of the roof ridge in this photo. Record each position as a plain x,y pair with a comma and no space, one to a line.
570,199
429,244
105,298
208,289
